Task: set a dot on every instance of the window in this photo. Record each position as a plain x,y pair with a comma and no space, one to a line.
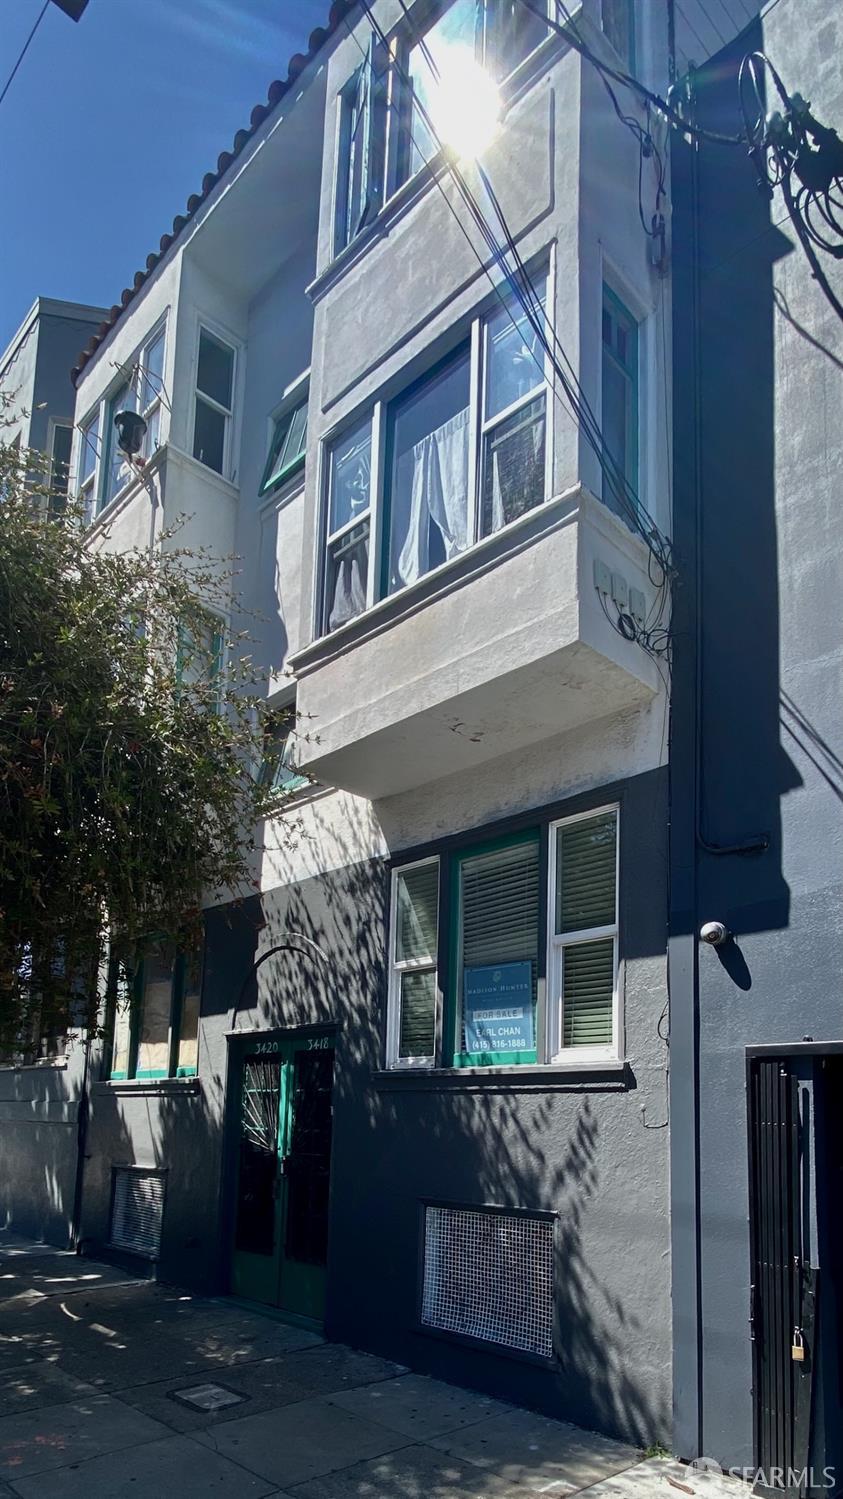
287,448
214,400
60,444
530,960
140,391
411,1041
405,95
347,562
150,381
584,932
514,414
156,1024
439,491
619,403
496,955
427,514
278,771
360,180
497,34
617,18
118,470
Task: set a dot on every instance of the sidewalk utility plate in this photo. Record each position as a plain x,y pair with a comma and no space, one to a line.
207,1397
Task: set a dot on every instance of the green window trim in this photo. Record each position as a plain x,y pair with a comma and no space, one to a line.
287,432
453,1020
556,909
620,320
179,988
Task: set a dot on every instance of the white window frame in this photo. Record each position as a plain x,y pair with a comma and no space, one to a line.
130,375
204,325
557,943
397,967
56,424
88,488
155,403
474,334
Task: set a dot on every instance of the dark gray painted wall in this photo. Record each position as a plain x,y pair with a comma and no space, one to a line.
593,1150
766,436
38,1154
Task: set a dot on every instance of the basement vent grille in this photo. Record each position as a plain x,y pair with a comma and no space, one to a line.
489,1275
137,1210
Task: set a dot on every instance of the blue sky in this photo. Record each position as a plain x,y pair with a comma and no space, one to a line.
112,122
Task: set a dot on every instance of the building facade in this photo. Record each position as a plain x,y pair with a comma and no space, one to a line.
419,1090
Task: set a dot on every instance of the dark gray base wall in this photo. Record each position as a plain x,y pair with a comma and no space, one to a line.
179,1132
590,1148
582,1154
38,1149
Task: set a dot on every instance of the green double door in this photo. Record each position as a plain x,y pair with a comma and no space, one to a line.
283,1172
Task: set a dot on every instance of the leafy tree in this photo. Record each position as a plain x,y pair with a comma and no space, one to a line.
128,753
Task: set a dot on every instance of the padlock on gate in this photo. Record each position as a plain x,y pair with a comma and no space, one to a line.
797,1347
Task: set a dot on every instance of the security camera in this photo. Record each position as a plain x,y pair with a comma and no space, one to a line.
714,933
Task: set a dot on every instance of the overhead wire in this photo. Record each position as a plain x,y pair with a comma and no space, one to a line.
23,51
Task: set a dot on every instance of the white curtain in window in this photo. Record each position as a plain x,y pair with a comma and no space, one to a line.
349,596
438,491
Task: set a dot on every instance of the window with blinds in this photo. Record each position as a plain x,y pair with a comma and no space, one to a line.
583,980
415,936
498,948
528,929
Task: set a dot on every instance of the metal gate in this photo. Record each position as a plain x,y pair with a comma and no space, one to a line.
782,1288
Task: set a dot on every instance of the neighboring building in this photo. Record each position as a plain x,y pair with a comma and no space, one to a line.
36,390
756,755
42,1084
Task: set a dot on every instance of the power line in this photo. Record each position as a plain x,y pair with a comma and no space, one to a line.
23,51
569,33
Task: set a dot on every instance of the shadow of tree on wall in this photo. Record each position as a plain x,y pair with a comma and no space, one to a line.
398,1142
38,1139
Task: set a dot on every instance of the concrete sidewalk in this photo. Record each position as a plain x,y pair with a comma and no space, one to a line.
112,1388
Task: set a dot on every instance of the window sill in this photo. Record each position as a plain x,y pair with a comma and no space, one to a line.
146,1086
612,1073
55,1064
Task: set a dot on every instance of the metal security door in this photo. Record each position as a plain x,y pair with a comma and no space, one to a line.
782,1288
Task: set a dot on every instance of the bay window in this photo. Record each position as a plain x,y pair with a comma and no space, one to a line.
528,960
466,453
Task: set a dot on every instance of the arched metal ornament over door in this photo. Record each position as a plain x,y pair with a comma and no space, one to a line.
281,1117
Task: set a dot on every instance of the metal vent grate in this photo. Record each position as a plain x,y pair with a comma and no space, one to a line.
489,1275
137,1210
